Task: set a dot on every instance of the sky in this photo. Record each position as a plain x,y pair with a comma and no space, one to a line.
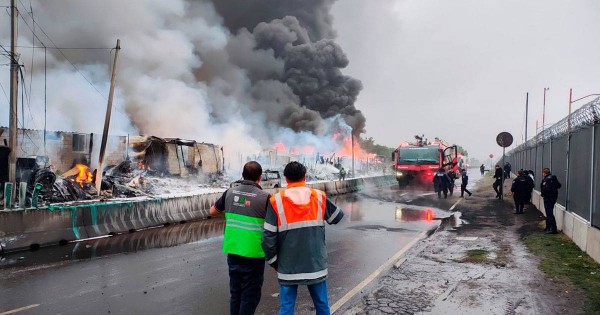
460,70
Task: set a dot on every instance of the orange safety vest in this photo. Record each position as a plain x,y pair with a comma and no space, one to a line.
299,206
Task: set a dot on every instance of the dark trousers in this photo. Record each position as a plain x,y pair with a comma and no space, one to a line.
497,186
442,190
451,189
246,277
550,219
463,188
519,205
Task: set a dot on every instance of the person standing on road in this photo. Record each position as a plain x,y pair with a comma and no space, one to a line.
452,177
521,188
499,178
294,239
245,208
464,182
529,175
482,169
441,181
549,189
507,169
342,174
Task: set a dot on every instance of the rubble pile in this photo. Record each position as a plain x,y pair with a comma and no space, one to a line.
125,180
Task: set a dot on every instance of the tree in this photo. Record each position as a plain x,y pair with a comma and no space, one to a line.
370,146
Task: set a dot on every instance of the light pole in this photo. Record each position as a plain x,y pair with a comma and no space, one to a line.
352,137
544,111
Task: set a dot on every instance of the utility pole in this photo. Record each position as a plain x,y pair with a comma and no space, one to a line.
570,102
14,66
352,137
526,116
544,113
107,119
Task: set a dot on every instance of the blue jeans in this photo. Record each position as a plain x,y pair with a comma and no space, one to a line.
318,293
245,283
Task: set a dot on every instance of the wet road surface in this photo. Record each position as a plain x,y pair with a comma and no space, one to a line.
180,269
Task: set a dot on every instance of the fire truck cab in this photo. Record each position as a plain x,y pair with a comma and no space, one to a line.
420,160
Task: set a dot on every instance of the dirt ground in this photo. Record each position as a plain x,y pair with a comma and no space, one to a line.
479,267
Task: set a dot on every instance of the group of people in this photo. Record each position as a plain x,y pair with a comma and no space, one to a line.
522,189
444,182
285,230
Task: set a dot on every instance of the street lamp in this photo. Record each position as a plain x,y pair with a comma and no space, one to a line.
544,110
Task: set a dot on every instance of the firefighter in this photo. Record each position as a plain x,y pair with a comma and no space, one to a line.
441,181
549,189
499,178
521,189
294,239
245,208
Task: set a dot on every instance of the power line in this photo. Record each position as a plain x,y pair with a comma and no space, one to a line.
64,56
68,48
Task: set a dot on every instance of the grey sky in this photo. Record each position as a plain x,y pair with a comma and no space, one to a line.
459,70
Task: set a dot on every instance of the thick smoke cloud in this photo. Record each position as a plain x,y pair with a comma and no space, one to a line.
245,74
313,14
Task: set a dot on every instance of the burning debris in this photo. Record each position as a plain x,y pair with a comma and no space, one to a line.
153,166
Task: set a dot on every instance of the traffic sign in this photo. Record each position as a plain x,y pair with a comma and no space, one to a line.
491,156
504,139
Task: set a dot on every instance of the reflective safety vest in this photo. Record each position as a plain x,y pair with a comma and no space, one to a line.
302,252
291,215
245,209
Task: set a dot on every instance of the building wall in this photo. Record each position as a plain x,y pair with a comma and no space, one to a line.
59,148
211,156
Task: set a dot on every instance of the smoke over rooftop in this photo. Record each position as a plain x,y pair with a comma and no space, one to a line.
245,74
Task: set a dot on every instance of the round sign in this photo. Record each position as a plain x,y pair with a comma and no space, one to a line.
504,139
491,156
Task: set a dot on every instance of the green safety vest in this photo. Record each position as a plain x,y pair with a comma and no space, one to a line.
243,235
245,210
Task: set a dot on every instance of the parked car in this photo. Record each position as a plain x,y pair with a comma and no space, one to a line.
270,179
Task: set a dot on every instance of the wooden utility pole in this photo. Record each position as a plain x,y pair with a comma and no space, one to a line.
14,67
107,119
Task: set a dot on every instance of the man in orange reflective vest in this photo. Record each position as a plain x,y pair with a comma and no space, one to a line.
294,239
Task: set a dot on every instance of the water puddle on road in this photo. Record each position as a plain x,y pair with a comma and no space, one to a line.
159,237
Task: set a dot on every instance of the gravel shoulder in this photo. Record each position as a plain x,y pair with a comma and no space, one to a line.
479,267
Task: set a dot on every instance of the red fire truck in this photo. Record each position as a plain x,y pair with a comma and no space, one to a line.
418,161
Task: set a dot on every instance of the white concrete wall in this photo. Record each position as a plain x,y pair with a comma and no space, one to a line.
576,228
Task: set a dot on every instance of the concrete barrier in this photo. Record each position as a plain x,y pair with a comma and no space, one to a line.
580,231
593,243
567,227
21,229
585,236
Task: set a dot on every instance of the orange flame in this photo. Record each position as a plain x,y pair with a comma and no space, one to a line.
346,150
84,176
280,147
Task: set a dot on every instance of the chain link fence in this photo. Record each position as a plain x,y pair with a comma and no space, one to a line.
571,149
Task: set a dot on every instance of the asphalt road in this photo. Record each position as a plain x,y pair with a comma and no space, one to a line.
180,269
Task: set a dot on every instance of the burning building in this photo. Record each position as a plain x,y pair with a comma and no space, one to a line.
64,168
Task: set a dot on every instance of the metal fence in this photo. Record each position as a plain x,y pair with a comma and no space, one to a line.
571,149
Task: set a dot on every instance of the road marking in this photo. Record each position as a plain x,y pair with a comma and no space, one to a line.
454,205
16,310
375,273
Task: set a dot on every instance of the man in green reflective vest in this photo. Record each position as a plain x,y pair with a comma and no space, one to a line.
245,207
